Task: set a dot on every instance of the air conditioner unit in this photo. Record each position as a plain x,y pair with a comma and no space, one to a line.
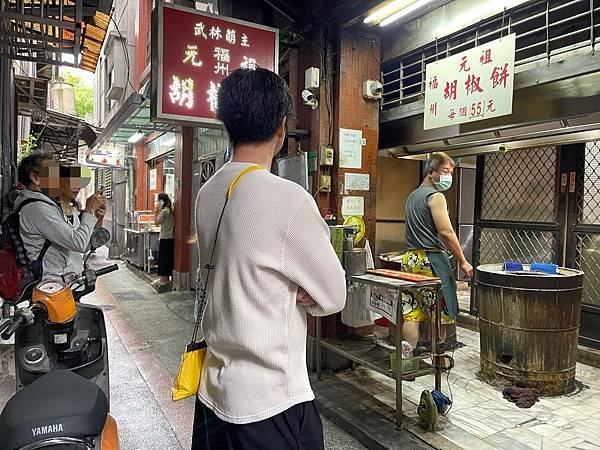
116,76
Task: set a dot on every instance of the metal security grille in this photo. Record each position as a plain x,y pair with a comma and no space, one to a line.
503,244
104,180
517,186
543,28
587,259
517,208
589,190
587,227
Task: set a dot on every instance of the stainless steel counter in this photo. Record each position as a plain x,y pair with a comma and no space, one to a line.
138,247
359,352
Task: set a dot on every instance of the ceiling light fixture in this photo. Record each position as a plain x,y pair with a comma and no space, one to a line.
136,137
404,12
385,11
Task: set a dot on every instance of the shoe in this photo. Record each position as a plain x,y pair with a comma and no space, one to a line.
155,283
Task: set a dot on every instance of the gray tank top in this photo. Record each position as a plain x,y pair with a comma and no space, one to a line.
421,232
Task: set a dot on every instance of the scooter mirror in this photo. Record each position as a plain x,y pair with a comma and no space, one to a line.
99,237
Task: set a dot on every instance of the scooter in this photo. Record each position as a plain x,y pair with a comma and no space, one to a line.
62,372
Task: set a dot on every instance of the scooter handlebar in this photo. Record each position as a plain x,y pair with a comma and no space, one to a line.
107,269
15,324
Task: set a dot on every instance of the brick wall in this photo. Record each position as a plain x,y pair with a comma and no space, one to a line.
359,60
352,59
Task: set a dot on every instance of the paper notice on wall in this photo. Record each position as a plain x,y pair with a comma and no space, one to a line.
353,206
170,185
152,180
356,181
350,148
81,155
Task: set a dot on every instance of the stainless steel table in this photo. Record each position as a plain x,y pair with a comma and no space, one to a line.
359,353
138,242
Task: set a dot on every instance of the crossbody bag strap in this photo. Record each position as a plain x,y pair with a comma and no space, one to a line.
210,266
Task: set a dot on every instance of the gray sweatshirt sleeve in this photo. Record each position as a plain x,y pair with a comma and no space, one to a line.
45,220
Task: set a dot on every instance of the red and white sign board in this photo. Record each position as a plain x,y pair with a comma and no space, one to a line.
193,51
473,85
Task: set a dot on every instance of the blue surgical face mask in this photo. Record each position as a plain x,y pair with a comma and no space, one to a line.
444,184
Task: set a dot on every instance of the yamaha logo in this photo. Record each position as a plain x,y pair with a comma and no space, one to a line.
47,429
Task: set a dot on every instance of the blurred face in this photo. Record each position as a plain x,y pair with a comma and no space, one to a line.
71,185
47,178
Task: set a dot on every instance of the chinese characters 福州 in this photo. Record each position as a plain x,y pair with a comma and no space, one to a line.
433,109
433,83
222,68
221,54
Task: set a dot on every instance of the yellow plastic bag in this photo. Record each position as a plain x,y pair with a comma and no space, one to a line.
187,381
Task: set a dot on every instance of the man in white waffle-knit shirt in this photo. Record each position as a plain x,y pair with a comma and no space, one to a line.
273,265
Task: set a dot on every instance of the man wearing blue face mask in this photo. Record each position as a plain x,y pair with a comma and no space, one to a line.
429,236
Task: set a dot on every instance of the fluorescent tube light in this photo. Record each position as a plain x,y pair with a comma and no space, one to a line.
136,137
404,12
385,11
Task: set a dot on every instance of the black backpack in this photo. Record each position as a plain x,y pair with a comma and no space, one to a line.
18,274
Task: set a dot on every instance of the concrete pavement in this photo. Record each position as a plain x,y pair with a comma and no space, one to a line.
147,333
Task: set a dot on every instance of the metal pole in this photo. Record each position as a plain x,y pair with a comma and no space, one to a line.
113,249
399,373
438,328
6,132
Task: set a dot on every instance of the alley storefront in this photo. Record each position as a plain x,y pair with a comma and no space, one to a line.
536,167
509,90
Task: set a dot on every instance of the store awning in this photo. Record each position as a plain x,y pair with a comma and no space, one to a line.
132,117
59,32
61,134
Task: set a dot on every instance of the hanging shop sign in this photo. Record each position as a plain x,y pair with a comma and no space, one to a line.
193,51
109,155
476,84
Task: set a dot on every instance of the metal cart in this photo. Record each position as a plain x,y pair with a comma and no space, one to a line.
359,352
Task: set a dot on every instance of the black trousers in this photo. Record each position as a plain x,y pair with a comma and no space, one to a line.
166,252
297,428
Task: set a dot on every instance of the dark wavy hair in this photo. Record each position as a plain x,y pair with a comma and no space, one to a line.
31,163
167,203
252,104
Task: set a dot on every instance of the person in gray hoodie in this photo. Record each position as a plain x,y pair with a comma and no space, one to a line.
44,219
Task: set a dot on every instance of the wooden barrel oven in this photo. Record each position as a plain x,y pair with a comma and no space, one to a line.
528,328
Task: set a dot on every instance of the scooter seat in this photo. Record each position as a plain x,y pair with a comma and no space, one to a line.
59,404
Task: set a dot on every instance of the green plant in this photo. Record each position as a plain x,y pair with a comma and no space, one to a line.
28,145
